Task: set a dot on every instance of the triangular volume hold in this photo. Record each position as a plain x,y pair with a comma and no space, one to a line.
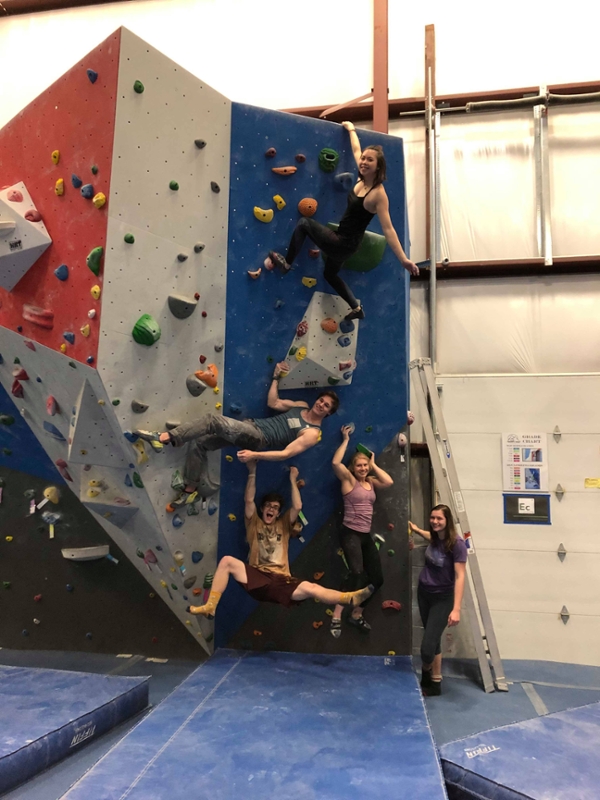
92,439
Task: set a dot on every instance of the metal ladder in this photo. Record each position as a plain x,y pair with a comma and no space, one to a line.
448,487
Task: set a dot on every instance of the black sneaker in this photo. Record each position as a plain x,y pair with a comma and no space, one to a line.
279,261
359,622
356,313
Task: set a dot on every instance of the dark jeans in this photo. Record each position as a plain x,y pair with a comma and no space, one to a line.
335,248
363,561
434,608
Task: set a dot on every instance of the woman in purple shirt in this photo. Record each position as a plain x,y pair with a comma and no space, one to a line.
359,480
440,591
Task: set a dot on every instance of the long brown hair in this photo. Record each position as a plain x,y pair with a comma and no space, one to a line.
451,534
381,173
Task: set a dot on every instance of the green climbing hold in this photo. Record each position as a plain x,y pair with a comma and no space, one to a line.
292,351
73,364
6,419
270,359
139,553
146,330
116,402
129,238
174,186
177,482
17,360
192,511
369,429
6,451
94,169
94,258
138,87
6,584
369,254
328,159
332,381
137,481
174,586
391,552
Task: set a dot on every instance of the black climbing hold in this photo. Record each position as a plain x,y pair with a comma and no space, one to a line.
215,187
138,407
194,385
94,169
200,143
199,247
182,257
182,307
92,75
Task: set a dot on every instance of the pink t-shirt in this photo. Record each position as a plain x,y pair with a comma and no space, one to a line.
358,508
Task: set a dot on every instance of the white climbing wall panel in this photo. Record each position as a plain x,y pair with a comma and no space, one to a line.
319,358
22,241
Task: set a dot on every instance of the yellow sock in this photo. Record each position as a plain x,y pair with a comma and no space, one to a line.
209,608
355,598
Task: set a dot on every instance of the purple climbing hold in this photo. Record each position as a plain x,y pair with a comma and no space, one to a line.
344,341
87,191
347,326
92,75
62,272
76,181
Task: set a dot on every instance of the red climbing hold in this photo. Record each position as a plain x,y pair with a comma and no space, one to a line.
302,328
51,406
33,215
318,575
318,624
300,158
17,389
30,345
15,196
271,153
37,598
63,469
314,253
390,526
20,374
391,604
202,359
42,317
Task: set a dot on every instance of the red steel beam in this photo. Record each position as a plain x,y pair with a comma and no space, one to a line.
380,66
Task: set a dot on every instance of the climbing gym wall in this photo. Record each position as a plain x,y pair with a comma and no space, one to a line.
283,165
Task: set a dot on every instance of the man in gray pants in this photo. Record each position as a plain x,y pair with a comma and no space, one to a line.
295,428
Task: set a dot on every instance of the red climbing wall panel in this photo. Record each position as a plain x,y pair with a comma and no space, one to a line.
77,118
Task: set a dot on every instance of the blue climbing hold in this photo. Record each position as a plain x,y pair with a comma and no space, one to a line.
177,521
69,336
279,303
88,635
344,341
38,379
131,437
53,431
347,375
158,547
87,191
25,632
212,507
62,272
68,587
76,181
197,556
235,408
128,481
347,326
92,75
344,181
90,359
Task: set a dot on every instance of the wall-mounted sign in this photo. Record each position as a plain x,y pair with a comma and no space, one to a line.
527,509
524,462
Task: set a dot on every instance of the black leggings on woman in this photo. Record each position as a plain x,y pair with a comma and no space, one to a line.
335,248
363,561
434,608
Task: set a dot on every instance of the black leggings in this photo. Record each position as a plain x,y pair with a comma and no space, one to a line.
434,608
363,561
335,248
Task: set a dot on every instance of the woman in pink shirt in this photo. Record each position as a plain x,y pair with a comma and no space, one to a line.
359,481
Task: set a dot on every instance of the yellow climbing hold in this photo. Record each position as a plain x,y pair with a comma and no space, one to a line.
9,538
228,458
101,402
391,652
59,187
99,199
301,353
96,291
51,493
188,622
263,214
319,436
329,612
63,348
309,282
142,456
83,452
85,330
218,405
231,517
55,156
279,202
216,390
93,492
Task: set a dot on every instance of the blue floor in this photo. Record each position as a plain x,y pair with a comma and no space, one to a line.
281,725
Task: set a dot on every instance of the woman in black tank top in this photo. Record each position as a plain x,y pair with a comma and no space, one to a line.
367,199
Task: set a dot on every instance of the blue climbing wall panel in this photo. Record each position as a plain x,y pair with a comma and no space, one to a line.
262,316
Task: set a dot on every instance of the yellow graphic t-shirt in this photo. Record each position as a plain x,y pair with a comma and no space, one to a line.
269,544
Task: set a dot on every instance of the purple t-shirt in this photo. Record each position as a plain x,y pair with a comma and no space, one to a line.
438,573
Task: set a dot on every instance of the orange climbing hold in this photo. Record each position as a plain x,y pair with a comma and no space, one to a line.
254,274
329,325
317,625
209,376
284,170
318,575
307,206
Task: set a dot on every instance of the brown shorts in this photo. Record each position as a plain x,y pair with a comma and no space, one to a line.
267,587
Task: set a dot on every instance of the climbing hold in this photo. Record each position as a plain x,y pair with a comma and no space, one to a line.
189,582
180,306
309,282
279,202
254,273
410,417
88,635
15,196
73,365
99,199
344,181
270,359
138,407
174,186
212,507
394,604
62,466
90,360
69,337
219,347
314,253
194,385
94,169
55,156
16,360
62,272
332,381
177,482
344,341
16,389
69,587
25,632
215,187
284,170
20,374
329,325
85,330
177,521
307,207
116,402
391,652
29,345
200,143
53,431
137,481
6,451
218,406
300,158
33,215
51,494
6,419
92,75
146,330
128,481
391,553
95,291
59,187
279,304
201,359
235,408
302,328
129,238
345,365
6,584
292,351
51,405
347,326
76,181
328,159
257,633
271,153
318,575
231,517
199,247
37,598
204,314
197,557
317,624
209,376
138,87
263,215
402,440
170,424
93,260
87,191
301,354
